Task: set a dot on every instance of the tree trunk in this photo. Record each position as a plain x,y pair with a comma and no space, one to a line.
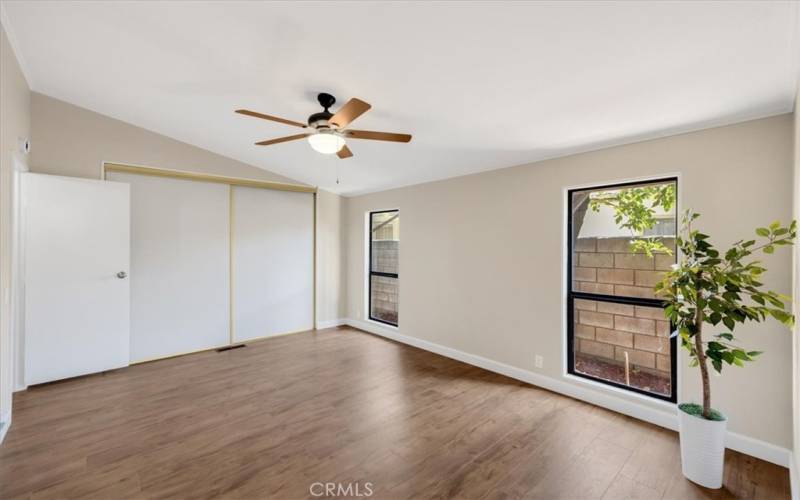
701,359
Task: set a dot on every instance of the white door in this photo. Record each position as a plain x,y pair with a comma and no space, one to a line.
273,262
180,268
77,244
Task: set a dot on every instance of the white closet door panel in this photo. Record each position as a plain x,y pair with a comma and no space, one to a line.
76,304
180,272
273,240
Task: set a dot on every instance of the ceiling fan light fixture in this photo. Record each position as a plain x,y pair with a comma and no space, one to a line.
327,132
326,142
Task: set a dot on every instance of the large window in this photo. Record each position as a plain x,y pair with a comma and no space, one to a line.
384,243
622,239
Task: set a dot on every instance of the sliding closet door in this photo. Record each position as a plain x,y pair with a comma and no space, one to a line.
273,266
180,265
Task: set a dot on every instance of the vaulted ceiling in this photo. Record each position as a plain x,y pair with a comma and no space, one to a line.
480,85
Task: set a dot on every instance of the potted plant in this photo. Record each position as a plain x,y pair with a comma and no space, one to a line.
716,291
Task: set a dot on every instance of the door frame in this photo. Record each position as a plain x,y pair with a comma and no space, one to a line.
18,275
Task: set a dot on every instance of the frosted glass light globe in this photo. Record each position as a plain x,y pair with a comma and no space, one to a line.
326,142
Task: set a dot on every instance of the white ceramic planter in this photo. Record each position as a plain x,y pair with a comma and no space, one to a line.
702,449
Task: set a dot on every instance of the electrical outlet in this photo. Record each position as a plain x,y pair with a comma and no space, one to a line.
538,361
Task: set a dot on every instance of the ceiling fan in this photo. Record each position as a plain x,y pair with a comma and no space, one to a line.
327,132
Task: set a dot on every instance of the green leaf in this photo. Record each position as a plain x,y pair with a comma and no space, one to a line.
769,249
716,346
731,296
762,231
737,315
774,301
728,321
782,316
741,354
779,314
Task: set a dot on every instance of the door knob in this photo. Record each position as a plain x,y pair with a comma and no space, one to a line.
122,275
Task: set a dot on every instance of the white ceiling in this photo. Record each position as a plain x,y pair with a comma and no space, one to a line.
479,85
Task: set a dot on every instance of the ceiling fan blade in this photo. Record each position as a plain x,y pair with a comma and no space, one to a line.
281,139
378,136
271,118
344,152
349,112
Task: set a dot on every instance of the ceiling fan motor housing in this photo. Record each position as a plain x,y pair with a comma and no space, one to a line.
318,120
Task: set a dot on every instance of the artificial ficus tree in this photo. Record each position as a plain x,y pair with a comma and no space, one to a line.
721,290
635,210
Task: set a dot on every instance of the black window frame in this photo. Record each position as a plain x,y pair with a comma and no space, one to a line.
635,301
372,273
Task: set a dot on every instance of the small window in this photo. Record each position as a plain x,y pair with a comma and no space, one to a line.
621,240
384,256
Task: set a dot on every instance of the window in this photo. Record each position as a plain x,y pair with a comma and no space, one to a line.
617,333
384,242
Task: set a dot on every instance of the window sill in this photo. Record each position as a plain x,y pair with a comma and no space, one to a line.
617,391
382,324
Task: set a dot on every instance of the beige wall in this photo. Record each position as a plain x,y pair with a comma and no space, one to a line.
73,141
331,291
15,99
472,279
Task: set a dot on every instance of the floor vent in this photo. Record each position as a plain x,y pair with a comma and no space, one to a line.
229,347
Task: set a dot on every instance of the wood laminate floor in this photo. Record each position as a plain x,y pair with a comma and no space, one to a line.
342,406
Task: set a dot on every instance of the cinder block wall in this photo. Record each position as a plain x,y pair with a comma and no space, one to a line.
385,290
606,330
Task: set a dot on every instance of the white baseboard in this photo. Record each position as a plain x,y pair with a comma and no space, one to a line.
760,449
794,476
601,397
5,423
330,323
